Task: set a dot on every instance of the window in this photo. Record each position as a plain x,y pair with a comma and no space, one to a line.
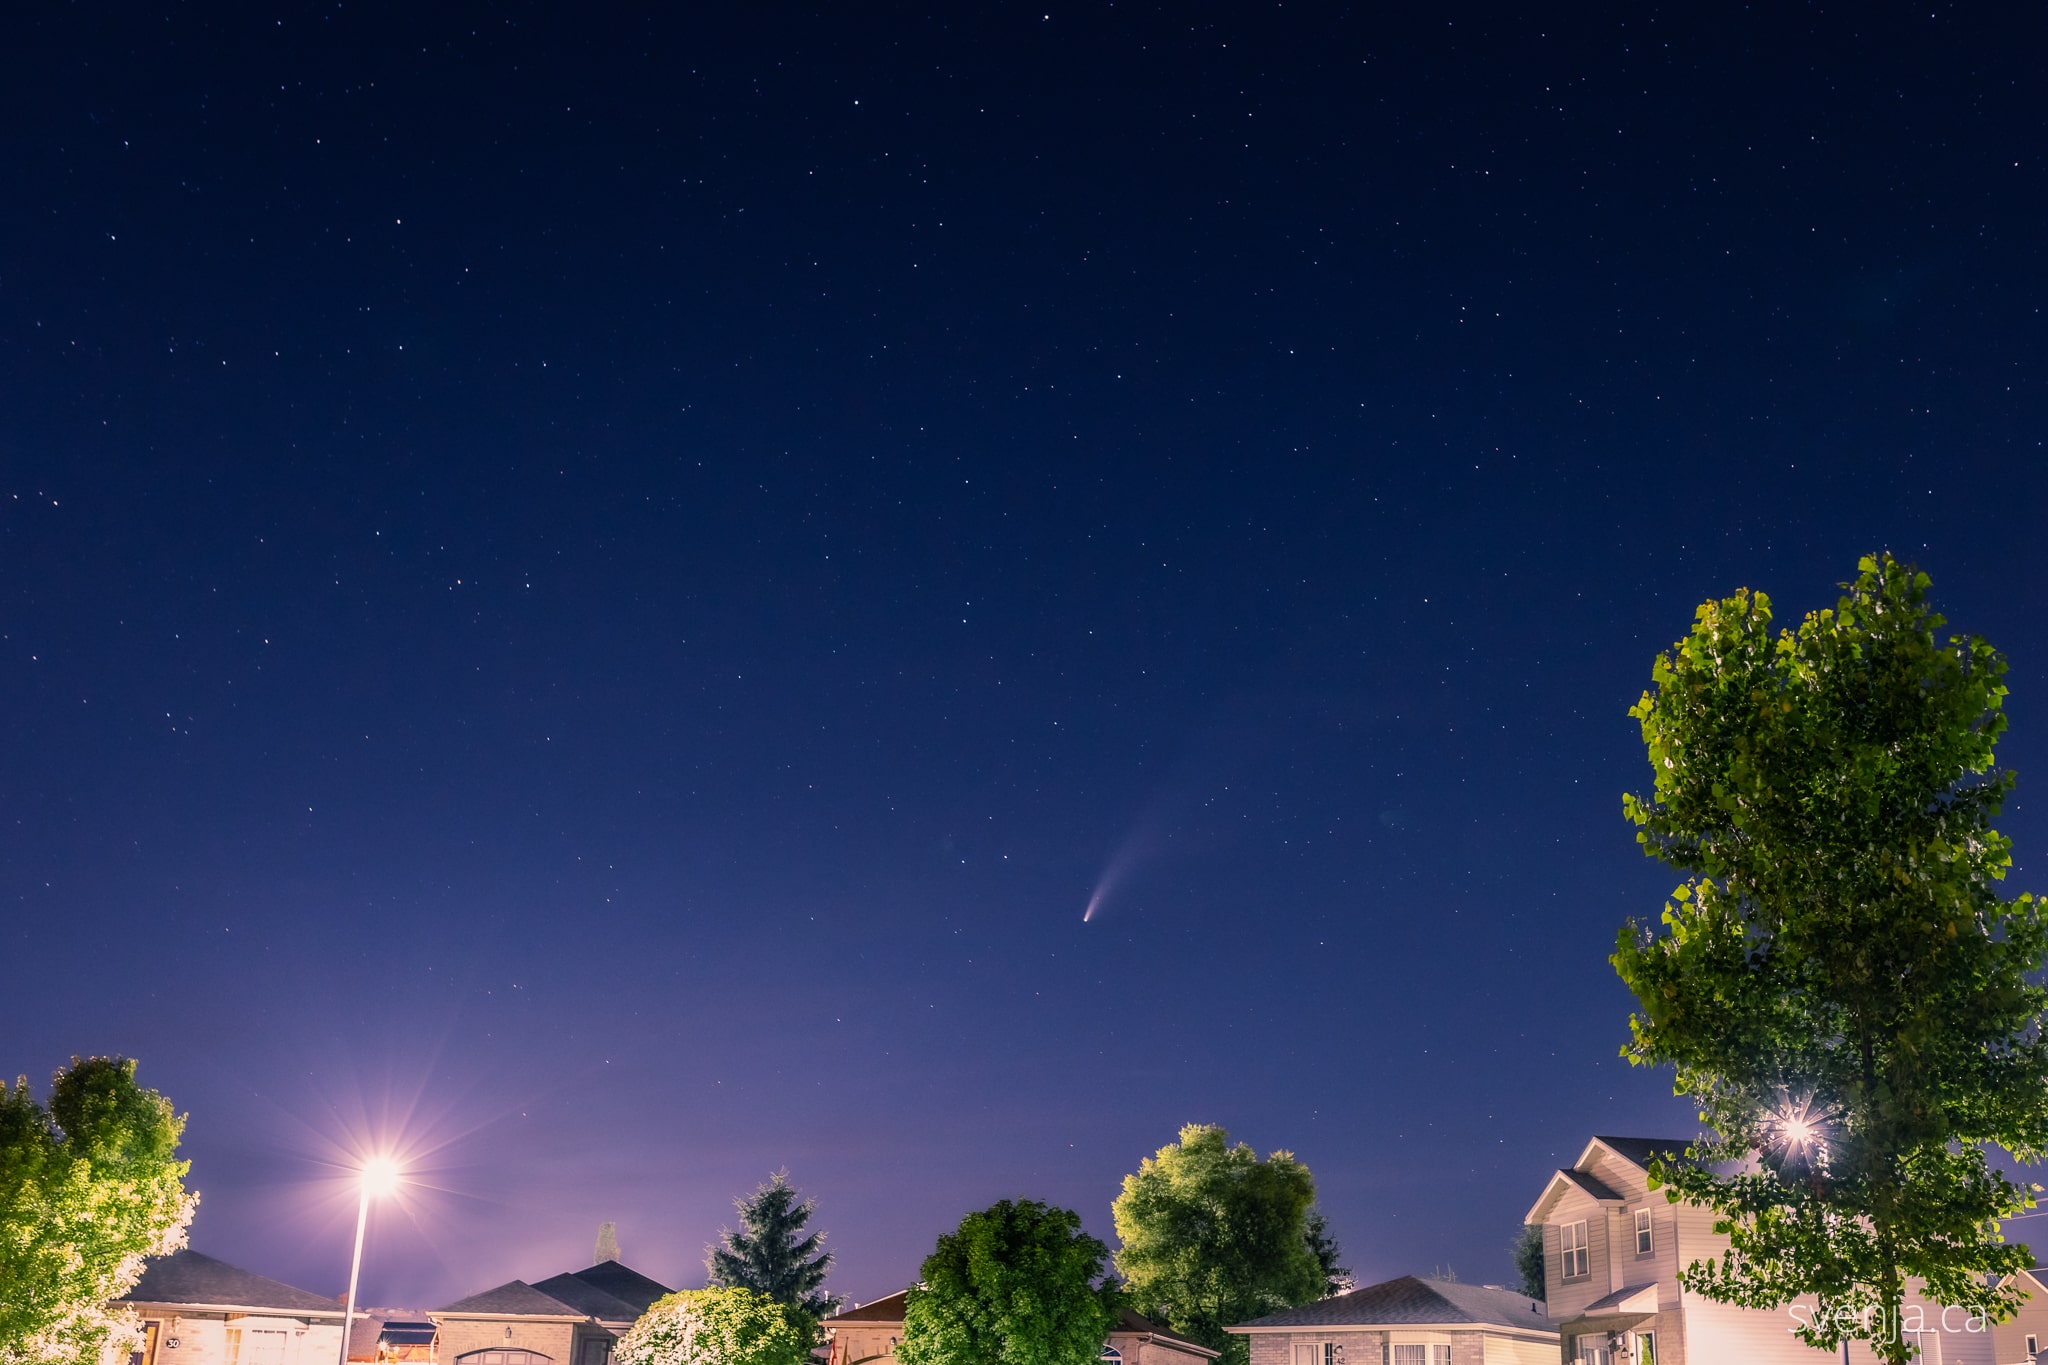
1642,1232
1571,1245
1315,1353
596,1351
502,1357
234,1346
1594,1351
2032,1349
1421,1355
1646,1349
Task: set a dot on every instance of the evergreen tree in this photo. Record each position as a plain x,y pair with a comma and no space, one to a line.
1322,1246
771,1254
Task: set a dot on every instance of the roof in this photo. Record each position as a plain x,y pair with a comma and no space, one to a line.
514,1299
1412,1301
1593,1185
185,1276
397,1326
1129,1321
624,1283
888,1309
1641,1150
587,1298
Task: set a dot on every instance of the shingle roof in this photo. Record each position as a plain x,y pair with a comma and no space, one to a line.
1412,1301
888,1309
585,1297
1129,1321
185,1276
624,1283
1591,1185
1641,1150
514,1299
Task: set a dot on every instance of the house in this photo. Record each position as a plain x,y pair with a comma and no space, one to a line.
196,1310
1612,1253
575,1318
869,1335
387,1335
1409,1321
2021,1341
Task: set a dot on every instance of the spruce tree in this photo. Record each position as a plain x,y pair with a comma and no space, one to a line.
771,1254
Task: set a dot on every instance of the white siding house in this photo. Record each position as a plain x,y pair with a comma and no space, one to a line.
1612,1252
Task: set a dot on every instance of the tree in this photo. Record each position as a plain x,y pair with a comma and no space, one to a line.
718,1326
1016,1284
771,1253
88,1188
1214,1236
1838,983
1528,1254
1323,1246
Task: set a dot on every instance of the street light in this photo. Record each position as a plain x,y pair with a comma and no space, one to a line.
379,1177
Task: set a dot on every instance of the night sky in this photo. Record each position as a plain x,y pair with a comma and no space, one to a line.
594,596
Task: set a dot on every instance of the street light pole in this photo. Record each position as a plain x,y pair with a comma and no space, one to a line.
380,1176
355,1269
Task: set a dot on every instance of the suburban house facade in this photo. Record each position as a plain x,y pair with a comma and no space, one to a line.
196,1310
1612,1253
575,1318
870,1334
1409,1321
2021,1341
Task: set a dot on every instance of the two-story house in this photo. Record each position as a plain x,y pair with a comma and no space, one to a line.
1612,1252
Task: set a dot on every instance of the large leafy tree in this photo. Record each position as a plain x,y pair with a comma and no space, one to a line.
88,1187
723,1325
1528,1253
1838,982
772,1254
1016,1284
1213,1236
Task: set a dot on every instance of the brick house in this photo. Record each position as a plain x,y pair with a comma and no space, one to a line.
196,1310
869,1335
1409,1321
575,1318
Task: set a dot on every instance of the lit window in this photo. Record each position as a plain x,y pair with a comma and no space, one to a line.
1421,1355
1572,1254
1642,1232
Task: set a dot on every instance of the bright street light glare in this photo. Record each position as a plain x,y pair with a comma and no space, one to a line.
380,1176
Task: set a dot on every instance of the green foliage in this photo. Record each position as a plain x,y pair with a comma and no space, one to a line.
718,1326
1015,1284
771,1253
1323,1246
1840,945
1213,1236
88,1188
1528,1254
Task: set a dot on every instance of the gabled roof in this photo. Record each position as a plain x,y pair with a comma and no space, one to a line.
889,1309
1639,1151
624,1283
587,1298
1411,1301
186,1277
513,1299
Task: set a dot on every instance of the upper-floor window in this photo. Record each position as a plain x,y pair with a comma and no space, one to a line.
1642,1232
1571,1246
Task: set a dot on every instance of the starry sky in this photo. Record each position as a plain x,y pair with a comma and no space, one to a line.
592,597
